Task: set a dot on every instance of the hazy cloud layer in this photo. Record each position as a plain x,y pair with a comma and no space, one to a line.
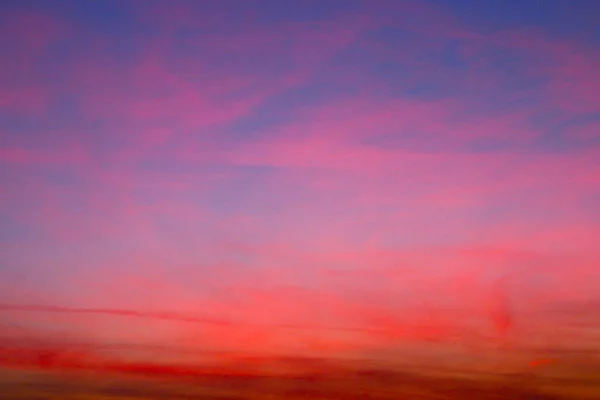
379,167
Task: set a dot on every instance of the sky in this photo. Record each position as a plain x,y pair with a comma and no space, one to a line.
305,176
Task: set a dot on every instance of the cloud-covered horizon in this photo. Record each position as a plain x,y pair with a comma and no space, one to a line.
384,166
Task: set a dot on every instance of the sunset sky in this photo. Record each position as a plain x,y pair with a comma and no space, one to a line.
314,175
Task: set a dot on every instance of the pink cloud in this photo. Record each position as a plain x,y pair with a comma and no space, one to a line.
316,234
568,66
73,154
33,31
586,131
287,318
30,35
25,100
154,93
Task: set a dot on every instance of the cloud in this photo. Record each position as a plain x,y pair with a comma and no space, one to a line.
370,176
27,39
